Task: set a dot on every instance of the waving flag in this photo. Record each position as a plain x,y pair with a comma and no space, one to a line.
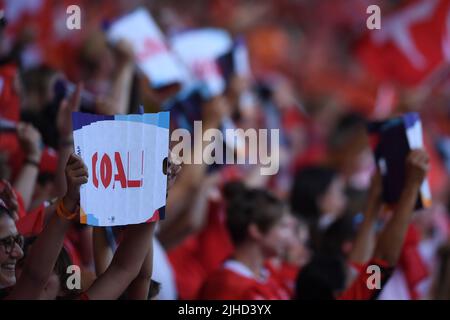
411,45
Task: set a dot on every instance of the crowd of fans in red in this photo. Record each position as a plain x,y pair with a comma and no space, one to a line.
309,232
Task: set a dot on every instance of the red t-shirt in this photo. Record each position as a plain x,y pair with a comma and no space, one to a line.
286,274
234,281
214,241
359,289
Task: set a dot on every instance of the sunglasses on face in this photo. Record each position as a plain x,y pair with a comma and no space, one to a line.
8,243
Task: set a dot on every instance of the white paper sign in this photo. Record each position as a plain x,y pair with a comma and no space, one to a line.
153,57
125,157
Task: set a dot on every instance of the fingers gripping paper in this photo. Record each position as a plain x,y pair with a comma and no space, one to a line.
124,155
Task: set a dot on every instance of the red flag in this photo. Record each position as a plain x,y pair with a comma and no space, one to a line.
411,44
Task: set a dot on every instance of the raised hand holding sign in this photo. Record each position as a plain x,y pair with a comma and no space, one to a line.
125,155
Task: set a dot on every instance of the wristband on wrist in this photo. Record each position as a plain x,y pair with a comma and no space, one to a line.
64,213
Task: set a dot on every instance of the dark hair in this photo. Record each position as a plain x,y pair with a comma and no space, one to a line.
321,278
36,79
309,184
246,206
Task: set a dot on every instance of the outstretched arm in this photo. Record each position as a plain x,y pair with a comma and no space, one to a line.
30,140
390,242
126,263
103,253
194,216
140,286
365,241
137,288
64,124
179,202
118,100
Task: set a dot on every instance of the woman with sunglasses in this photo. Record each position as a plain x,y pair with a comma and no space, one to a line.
41,259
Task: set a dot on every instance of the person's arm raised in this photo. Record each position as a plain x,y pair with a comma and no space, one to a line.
192,175
139,287
391,239
64,124
43,254
30,140
126,263
195,215
103,253
118,99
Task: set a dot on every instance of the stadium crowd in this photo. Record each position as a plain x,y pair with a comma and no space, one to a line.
311,231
